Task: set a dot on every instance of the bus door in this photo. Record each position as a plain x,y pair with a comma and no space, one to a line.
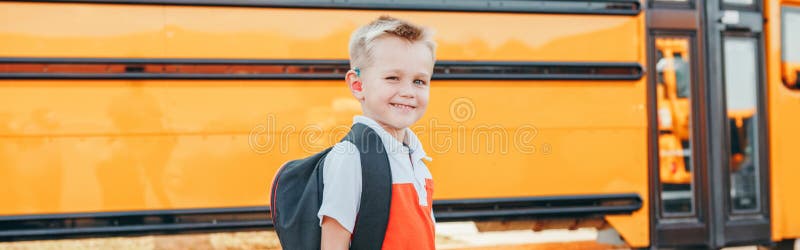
709,166
739,173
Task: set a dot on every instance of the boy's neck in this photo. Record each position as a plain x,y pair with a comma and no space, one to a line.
399,134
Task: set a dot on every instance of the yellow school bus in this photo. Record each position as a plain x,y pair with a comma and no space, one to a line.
669,122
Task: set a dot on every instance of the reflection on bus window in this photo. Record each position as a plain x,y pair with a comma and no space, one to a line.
673,90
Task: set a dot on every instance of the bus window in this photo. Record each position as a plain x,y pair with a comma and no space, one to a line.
741,92
680,4
740,3
674,98
791,47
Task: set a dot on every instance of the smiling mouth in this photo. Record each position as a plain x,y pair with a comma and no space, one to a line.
402,106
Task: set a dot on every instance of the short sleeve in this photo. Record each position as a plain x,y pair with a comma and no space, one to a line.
341,178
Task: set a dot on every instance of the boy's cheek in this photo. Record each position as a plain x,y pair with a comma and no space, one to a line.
424,99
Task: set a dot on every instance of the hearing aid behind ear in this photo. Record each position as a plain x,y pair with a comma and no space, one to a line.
357,84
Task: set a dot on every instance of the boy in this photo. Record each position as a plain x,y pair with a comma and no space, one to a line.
392,63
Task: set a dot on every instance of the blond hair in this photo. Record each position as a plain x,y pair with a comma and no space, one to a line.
361,40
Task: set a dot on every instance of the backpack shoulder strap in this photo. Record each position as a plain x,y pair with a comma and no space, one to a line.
376,189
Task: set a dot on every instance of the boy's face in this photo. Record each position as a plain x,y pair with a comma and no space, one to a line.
395,88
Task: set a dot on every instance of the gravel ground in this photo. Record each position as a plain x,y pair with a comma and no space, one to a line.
454,236
450,236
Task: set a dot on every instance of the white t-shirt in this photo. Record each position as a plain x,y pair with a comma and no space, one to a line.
341,196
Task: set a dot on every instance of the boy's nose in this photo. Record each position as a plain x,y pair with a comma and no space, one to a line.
407,90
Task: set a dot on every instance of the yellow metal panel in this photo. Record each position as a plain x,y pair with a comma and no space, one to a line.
246,33
783,124
81,30
145,119
91,30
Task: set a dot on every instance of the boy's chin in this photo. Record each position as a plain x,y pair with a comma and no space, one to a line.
400,123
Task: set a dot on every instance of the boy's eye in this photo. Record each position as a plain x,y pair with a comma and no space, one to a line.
420,82
393,78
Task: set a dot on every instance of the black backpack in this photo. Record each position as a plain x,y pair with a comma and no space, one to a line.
297,195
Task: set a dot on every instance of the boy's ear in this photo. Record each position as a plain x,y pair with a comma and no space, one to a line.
355,84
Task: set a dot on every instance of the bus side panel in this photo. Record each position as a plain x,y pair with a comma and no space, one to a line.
81,146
